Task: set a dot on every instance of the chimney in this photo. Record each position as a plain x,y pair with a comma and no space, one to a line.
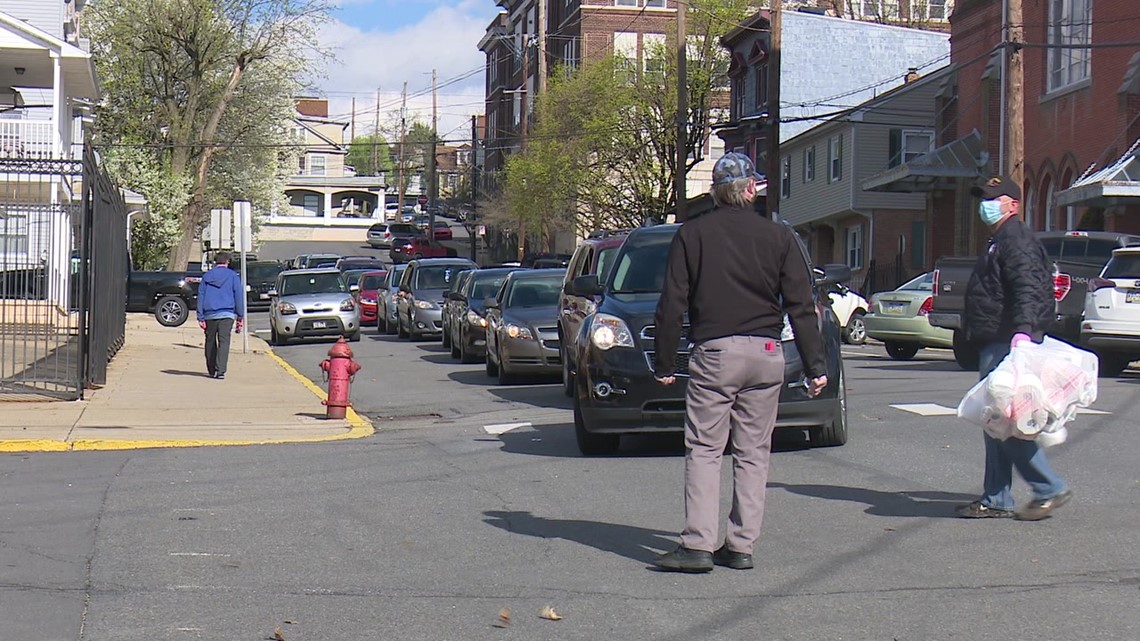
911,75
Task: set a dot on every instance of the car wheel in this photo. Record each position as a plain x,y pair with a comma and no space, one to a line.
171,311
965,353
446,337
835,432
456,353
590,444
400,331
274,337
901,351
856,332
567,375
492,367
1112,366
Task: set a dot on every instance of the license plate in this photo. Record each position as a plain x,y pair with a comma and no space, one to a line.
320,325
1132,296
894,308
264,296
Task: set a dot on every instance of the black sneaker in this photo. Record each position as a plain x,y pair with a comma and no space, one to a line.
1038,509
976,510
685,560
730,559
220,376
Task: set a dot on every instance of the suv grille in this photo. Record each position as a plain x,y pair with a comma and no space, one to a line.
649,333
682,362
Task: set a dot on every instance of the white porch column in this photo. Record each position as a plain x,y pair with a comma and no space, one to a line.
328,207
58,103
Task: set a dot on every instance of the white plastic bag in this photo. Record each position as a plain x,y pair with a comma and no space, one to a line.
1033,392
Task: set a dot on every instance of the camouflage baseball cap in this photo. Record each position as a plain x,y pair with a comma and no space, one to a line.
733,166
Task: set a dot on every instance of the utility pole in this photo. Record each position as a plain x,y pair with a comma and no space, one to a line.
352,121
1015,136
525,116
540,43
403,132
472,225
679,187
774,166
375,140
433,177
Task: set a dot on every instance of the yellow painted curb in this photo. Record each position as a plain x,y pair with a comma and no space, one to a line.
359,426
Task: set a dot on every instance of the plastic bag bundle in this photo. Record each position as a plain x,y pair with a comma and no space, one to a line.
1033,392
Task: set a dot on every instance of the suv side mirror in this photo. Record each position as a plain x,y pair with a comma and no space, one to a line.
834,273
457,296
491,303
587,285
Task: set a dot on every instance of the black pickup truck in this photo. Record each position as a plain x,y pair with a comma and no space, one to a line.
1077,257
168,295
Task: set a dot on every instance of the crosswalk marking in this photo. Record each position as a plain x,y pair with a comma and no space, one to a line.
503,428
934,409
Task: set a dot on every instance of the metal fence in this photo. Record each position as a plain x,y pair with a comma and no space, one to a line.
62,276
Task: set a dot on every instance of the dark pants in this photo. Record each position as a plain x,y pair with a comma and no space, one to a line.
218,332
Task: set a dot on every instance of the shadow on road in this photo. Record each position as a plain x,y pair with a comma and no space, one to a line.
631,542
880,503
557,440
179,372
911,366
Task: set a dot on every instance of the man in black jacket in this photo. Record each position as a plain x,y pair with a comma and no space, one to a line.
1009,299
736,274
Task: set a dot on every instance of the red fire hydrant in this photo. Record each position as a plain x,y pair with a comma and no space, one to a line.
339,369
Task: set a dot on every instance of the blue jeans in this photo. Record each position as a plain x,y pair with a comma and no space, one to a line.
1003,456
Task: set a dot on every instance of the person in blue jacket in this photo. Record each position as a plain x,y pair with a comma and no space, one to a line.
221,312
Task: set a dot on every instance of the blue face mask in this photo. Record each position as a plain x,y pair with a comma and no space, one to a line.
990,211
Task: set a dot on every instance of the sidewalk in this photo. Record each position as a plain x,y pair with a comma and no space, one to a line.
158,395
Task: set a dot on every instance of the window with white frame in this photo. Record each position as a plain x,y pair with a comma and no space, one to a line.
626,3
659,4
653,56
571,52
835,158
876,9
625,48
1070,25
317,164
854,246
809,164
14,235
301,165
938,10
786,177
493,69
908,144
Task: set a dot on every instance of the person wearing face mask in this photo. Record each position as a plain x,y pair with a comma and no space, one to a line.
1009,300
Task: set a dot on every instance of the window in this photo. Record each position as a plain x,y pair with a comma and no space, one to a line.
570,52
882,9
835,159
311,205
1069,24
854,247
13,235
737,92
906,145
786,177
660,4
809,164
493,69
301,165
653,53
625,48
625,3
761,87
317,164
936,10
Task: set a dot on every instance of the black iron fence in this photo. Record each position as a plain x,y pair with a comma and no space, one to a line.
883,276
62,276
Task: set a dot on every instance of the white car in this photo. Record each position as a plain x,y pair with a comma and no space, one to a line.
849,308
1111,323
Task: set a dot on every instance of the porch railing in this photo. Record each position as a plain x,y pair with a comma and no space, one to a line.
33,139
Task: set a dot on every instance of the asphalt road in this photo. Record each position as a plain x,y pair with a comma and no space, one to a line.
427,529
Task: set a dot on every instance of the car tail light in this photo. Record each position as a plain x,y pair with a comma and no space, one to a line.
1100,283
934,282
1062,283
927,306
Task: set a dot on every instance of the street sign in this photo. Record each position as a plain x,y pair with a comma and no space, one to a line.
422,200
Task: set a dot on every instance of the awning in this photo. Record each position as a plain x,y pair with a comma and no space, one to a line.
938,169
1116,184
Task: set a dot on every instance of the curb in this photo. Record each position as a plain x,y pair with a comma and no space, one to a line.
359,426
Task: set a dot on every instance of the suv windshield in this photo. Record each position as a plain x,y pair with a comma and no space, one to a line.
640,269
436,276
1123,266
534,293
329,283
263,272
486,287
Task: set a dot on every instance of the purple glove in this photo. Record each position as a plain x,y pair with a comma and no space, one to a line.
1020,338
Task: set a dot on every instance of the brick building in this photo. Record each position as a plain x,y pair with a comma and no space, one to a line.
1082,114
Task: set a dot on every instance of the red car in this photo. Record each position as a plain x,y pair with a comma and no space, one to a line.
369,285
442,230
419,247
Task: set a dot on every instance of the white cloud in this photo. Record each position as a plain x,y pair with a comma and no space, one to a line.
445,39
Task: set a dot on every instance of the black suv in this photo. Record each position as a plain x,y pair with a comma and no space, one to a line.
614,389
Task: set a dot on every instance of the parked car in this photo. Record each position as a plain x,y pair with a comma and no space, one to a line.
850,308
367,295
408,214
352,279
381,234
614,388
360,262
386,297
522,326
441,230
449,312
312,302
421,287
168,295
899,319
592,257
391,211
1111,323
420,247
469,323
261,277
312,261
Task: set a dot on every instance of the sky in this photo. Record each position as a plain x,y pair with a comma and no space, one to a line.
380,44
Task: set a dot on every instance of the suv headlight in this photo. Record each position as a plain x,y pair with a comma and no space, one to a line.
425,304
475,319
347,305
610,331
519,332
286,308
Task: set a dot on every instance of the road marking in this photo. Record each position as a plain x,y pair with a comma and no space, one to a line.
933,409
196,554
503,428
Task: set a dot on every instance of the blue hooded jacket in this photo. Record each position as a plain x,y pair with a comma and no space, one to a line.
220,295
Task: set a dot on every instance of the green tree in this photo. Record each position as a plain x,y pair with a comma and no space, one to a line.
370,155
196,94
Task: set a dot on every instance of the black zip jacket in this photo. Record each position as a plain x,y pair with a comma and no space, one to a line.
730,269
1011,289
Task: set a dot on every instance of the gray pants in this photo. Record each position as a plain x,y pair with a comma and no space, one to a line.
218,333
734,390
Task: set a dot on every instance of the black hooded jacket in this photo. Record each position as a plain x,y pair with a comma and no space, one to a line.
1011,289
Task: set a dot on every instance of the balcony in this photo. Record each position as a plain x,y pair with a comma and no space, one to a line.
27,139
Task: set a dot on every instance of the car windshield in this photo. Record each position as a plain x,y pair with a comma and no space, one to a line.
534,293
605,261
436,276
327,283
1123,266
394,275
352,276
640,268
263,271
486,287
372,281
923,283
